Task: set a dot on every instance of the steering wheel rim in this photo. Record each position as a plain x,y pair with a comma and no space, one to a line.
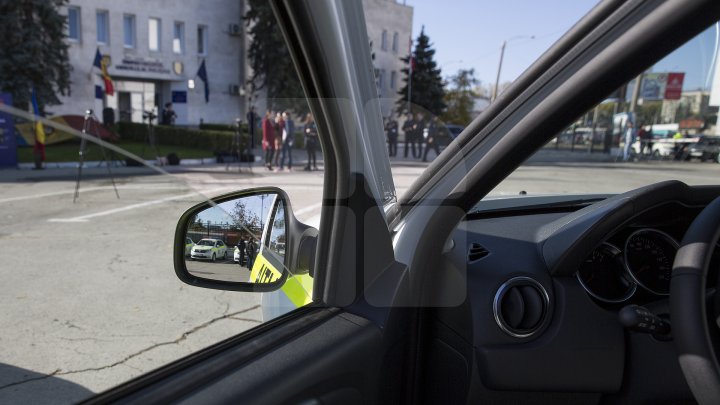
688,311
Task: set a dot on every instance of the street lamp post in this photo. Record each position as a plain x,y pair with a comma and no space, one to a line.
502,54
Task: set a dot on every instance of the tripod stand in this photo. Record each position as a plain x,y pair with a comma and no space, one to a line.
90,124
237,149
150,138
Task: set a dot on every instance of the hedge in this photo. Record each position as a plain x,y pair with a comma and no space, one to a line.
212,140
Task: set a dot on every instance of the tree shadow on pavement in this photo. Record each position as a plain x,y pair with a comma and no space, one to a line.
21,386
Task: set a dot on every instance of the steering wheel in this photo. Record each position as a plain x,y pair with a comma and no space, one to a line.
691,329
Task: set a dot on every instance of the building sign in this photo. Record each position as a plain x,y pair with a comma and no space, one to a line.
179,97
8,144
673,88
140,65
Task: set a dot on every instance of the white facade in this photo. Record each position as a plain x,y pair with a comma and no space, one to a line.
155,48
389,26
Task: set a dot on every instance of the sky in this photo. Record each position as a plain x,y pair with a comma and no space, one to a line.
469,34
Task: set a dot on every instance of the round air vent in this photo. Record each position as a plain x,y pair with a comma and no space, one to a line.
520,307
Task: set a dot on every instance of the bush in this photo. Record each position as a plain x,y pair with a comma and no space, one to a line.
212,140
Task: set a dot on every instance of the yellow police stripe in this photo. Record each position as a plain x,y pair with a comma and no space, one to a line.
297,288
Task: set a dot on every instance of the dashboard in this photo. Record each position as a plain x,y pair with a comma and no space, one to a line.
546,279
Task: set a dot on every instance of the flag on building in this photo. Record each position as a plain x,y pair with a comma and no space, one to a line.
39,129
202,74
101,64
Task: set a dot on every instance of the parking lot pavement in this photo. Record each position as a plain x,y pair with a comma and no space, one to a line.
89,295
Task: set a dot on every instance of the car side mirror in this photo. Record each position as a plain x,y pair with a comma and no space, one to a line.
262,242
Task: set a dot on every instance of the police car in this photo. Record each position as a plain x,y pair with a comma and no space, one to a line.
209,249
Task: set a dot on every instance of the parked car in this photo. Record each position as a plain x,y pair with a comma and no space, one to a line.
706,148
188,246
209,249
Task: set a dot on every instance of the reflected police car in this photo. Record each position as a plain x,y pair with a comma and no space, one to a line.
209,249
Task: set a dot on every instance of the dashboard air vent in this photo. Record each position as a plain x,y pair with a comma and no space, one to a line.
520,307
476,252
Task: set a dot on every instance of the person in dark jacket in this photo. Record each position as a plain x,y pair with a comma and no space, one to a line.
251,251
408,128
311,141
418,130
431,141
391,131
288,139
241,250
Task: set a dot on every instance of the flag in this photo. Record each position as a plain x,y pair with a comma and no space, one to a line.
39,129
202,74
100,63
411,59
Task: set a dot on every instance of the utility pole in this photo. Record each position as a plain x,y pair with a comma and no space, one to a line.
497,78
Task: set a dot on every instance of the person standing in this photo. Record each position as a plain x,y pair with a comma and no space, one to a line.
408,128
311,140
253,122
268,143
241,250
251,249
391,131
432,138
279,128
419,131
629,138
288,139
168,115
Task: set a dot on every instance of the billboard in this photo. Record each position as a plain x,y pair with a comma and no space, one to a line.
674,85
662,86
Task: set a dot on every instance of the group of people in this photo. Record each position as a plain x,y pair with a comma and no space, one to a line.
417,131
247,251
278,138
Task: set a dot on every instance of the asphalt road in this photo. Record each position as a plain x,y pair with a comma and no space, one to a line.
89,296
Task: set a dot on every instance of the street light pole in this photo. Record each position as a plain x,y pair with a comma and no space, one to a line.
497,78
502,54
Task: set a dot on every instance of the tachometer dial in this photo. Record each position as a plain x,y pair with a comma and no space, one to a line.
603,275
649,256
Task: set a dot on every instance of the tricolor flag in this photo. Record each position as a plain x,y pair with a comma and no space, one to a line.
100,64
39,129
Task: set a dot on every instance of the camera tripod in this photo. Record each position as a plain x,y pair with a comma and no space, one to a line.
90,127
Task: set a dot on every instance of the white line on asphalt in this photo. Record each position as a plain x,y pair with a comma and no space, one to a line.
85,218
307,209
82,190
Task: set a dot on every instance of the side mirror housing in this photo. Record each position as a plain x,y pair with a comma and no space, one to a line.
262,242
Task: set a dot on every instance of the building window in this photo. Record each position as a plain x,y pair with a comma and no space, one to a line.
129,31
154,37
103,27
393,78
396,37
381,80
384,41
179,38
202,40
74,24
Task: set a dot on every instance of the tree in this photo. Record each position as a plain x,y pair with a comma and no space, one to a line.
426,90
33,52
461,97
270,60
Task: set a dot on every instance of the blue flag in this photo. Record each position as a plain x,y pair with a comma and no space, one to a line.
98,59
202,74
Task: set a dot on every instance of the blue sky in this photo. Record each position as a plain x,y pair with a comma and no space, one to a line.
472,31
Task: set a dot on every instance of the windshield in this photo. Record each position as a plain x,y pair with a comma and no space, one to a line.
206,242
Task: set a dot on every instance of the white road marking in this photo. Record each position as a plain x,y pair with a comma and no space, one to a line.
83,190
85,218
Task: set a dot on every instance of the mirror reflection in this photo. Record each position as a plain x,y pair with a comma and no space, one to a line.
241,240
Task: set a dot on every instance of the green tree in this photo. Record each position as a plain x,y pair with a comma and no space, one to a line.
460,99
33,52
426,90
270,60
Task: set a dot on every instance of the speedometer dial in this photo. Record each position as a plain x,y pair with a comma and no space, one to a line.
649,256
603,275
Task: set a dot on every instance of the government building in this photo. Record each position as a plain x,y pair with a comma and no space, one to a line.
154,48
